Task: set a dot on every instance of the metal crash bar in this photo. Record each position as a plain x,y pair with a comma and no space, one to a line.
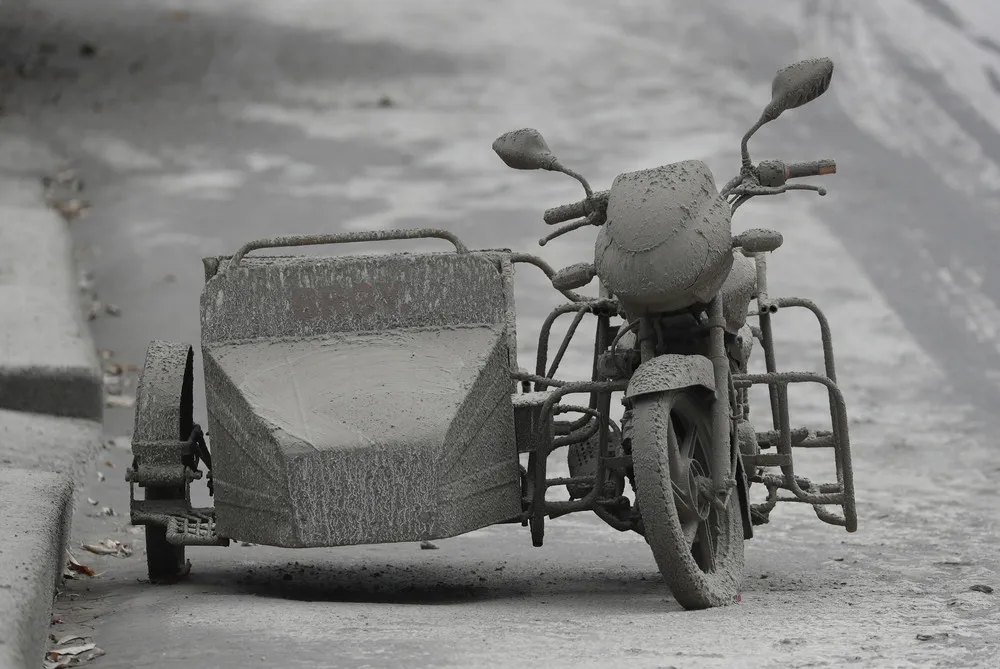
347,238
843,492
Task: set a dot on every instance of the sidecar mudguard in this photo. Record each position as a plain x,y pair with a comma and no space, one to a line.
671,372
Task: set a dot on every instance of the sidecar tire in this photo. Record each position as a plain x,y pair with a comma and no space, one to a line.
164,412
692,586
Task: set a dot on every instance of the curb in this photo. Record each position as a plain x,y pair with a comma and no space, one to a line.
48,362
51,413
38,509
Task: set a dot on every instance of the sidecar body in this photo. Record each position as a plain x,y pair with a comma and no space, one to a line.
360,399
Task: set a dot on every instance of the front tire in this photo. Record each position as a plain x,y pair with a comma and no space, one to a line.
697,547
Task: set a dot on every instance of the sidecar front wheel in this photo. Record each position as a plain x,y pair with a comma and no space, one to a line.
698,548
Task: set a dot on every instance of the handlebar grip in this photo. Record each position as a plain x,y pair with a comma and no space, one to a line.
568,212
813,168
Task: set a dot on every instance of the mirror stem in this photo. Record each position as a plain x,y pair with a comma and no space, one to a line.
577,176
744,149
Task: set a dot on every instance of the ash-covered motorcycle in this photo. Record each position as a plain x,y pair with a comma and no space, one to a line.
670,267
372,399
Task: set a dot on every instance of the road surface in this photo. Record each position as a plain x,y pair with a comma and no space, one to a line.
196,129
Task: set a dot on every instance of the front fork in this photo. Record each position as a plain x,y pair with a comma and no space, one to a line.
723,479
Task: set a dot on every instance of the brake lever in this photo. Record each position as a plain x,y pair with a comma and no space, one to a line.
755,189
596,218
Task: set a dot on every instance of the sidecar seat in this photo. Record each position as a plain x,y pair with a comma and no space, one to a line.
360,399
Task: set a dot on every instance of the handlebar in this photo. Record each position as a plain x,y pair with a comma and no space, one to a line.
774,173
813,168
568,212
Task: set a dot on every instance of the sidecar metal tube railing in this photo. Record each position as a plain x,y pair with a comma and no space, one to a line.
346,238
580,308
566,340
573,434
594,306
840,441
539,506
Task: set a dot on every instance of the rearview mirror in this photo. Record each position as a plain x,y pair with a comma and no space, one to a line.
525,149
797,84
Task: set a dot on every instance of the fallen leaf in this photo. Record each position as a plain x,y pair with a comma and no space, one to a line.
73,650
108,547
100,476
982,588
74,566
72,657
91,501
427,546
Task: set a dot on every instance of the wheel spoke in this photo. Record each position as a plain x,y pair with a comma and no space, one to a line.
690,441
706,545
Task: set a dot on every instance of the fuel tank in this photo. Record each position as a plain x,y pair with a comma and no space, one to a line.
667,241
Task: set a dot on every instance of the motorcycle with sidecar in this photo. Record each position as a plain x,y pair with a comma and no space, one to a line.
378,398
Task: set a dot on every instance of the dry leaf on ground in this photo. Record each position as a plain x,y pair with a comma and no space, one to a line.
75,567
64,655
109,547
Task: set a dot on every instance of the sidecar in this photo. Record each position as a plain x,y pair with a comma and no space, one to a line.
350,400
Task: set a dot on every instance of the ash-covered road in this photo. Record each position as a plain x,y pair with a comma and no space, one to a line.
199,128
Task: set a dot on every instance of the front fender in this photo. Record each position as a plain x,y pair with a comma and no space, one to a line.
671,372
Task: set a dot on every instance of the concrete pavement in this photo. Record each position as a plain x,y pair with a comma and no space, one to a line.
37,509
51,396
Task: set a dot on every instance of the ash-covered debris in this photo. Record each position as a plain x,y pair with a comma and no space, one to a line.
92,304
71,651
119,380
62,193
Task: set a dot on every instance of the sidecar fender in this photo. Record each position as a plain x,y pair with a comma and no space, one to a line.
671,372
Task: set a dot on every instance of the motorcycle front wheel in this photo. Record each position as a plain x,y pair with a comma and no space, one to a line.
697,547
